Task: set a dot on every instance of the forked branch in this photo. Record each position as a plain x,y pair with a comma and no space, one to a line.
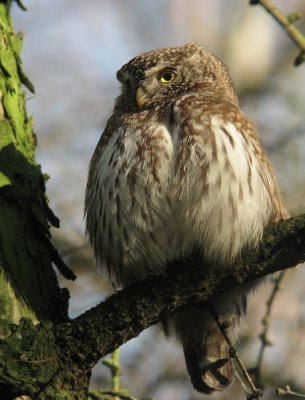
288,23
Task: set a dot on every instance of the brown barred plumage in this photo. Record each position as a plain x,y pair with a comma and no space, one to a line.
179,167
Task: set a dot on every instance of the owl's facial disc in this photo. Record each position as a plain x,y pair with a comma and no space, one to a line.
141,97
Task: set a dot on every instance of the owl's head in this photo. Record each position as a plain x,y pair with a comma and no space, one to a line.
155,77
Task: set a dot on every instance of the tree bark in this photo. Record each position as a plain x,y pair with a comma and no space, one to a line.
28,284
60,356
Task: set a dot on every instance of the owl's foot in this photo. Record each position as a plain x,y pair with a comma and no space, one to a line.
210,369
218,374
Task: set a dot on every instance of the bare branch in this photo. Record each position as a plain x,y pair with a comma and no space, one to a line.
113,363
124,315
58,355
266,325
288,24
286,391
255,394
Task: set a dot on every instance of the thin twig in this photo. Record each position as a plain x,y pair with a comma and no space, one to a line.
242,383
287,391
288,24
266,325
120,395
21,5
113,363
116,392
99,394
255,392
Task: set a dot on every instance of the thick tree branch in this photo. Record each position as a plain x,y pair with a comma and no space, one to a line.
124,315
57,355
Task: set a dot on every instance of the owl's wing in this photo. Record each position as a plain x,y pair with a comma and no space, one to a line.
228,195
224,182
95,190
125,198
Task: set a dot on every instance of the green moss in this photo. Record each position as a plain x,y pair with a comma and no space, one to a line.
25,360
4,180
12,94
6,133
28,283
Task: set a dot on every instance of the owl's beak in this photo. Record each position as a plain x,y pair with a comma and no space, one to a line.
140,97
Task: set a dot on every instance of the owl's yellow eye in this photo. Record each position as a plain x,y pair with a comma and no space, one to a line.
167,76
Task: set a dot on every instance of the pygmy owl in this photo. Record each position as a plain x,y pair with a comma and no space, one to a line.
180,167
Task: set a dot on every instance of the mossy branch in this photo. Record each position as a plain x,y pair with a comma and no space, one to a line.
67,350
144,303
28,283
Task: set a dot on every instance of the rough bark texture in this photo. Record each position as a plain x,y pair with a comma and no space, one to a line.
28,284
43,355
60,356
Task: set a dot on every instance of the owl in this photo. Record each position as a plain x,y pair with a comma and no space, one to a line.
179,168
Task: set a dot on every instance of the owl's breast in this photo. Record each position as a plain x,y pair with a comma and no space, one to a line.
158,191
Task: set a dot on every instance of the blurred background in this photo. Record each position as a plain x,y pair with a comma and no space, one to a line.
72,51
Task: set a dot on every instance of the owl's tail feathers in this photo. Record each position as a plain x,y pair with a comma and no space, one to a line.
209,366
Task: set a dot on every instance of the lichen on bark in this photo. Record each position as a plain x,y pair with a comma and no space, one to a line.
28,284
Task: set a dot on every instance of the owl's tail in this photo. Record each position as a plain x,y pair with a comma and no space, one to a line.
206,351
209,364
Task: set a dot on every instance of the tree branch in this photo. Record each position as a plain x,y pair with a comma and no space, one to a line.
127,313
288,24
256,371
145,303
